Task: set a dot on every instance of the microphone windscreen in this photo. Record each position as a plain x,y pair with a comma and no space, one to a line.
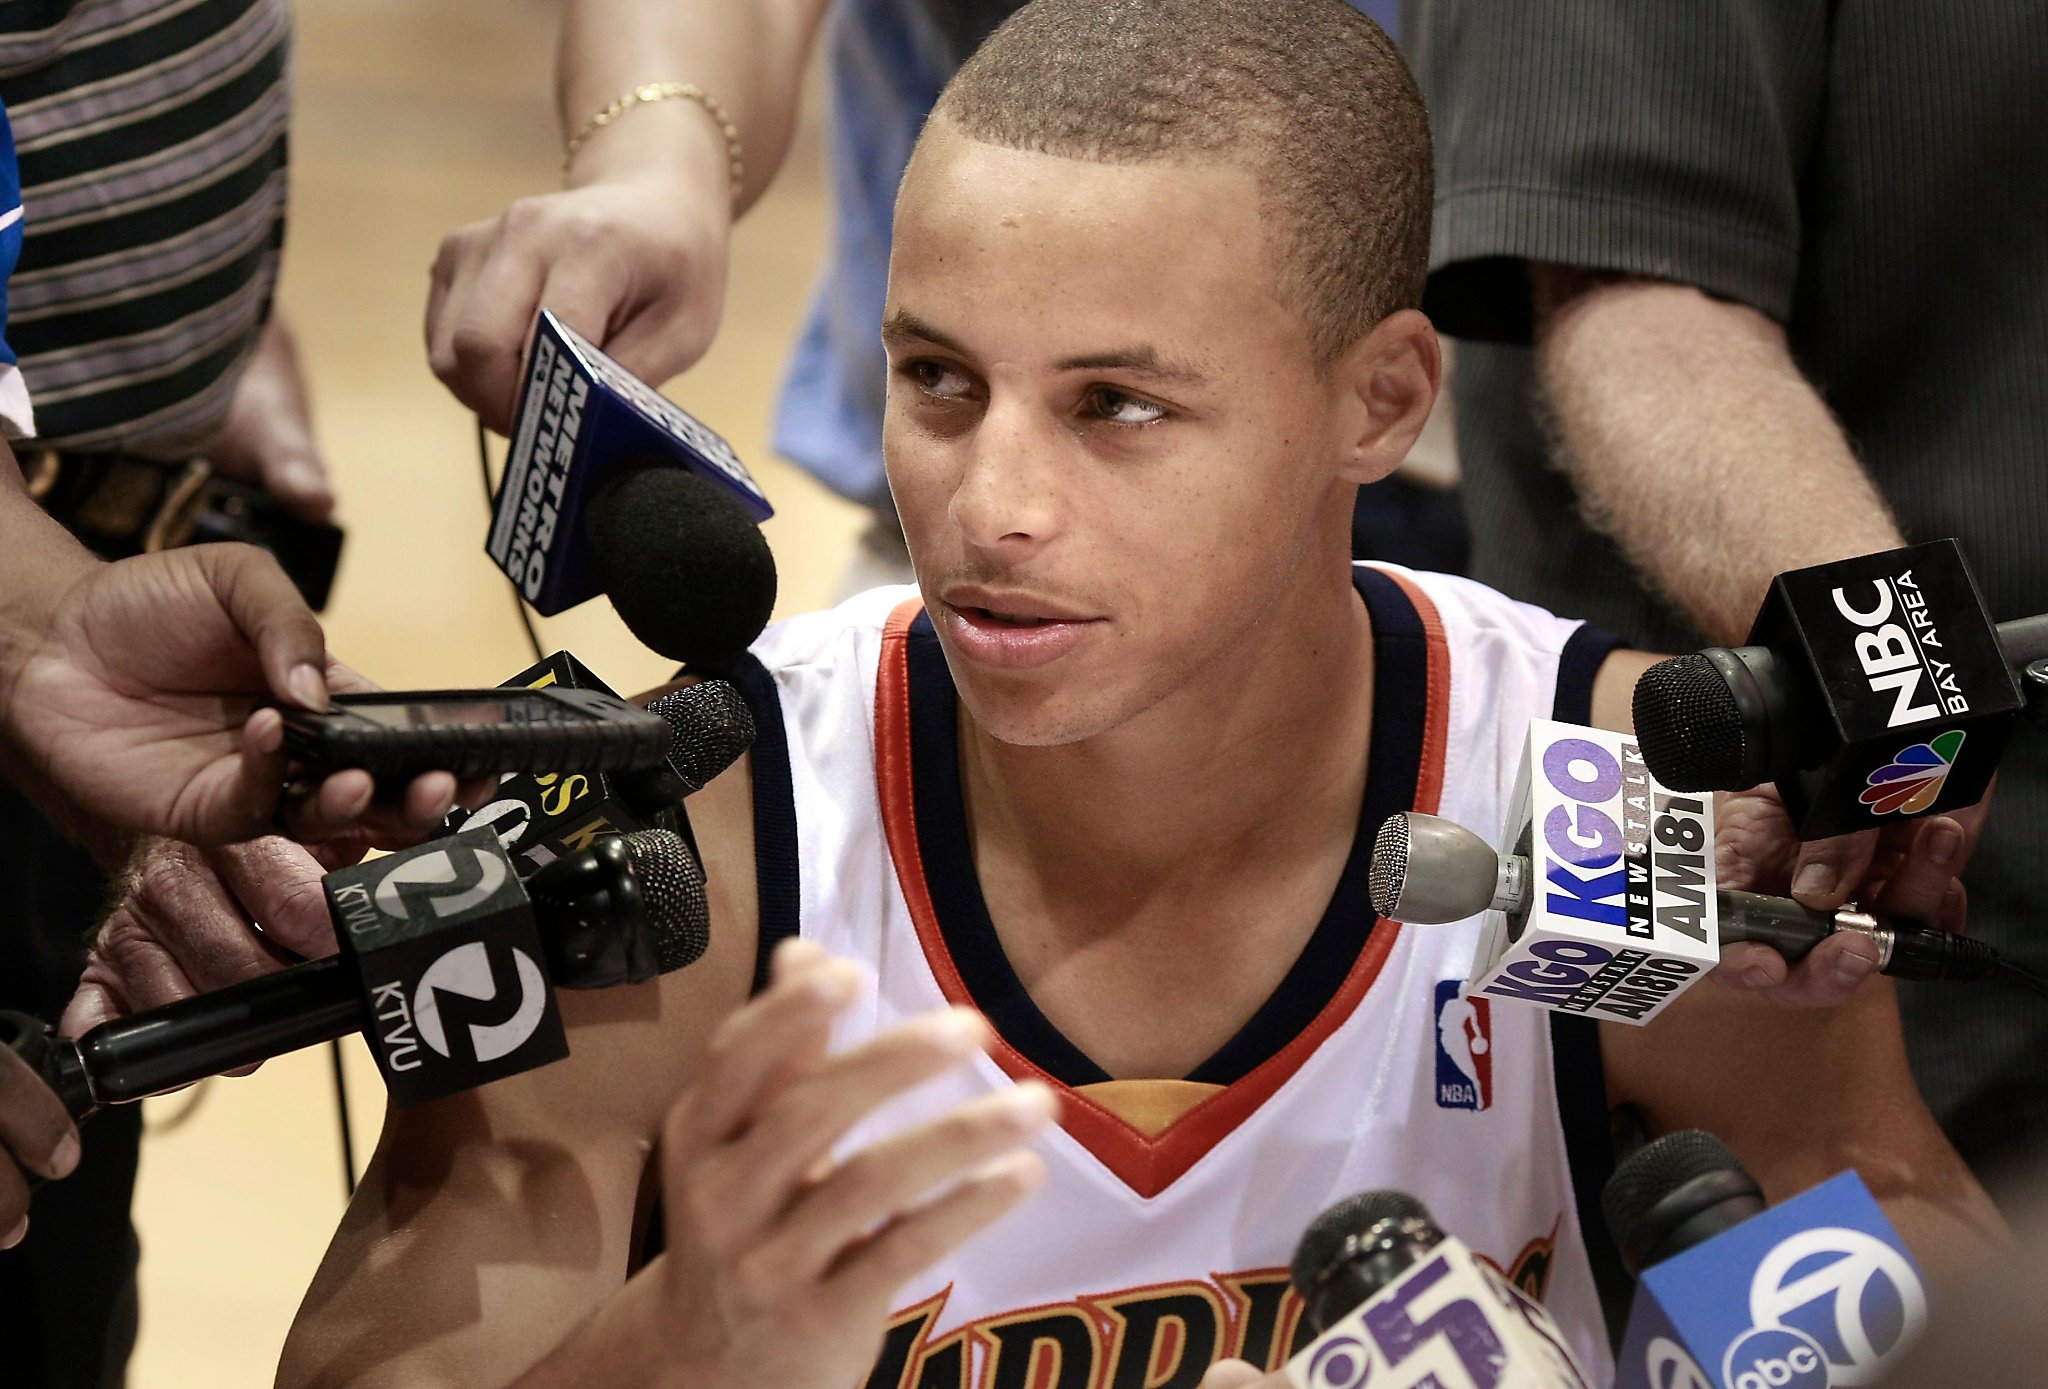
1689,726
1388,872
1673,1193
709,727
672,887
1323,1243
683,563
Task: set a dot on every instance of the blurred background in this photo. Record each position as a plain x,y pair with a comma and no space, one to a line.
413,118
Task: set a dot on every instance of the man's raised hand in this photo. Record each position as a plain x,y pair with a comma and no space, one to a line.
782,1260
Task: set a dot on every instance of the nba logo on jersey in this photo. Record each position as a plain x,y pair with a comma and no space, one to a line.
1464,1048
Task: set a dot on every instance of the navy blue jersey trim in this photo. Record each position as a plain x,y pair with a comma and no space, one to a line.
778,882
1577,1072
1400,705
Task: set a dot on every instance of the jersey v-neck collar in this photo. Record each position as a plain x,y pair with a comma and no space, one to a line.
924,812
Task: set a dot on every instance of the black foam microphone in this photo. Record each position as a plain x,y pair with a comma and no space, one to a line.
1871,689
1355,1248
610,487
427,982
1670,1195
685,566
1394,1302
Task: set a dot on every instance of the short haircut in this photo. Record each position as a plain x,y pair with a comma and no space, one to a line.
1309,95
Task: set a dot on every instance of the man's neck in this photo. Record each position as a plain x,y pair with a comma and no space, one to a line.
1260,764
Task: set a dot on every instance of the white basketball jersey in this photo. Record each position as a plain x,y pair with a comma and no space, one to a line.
1160,1240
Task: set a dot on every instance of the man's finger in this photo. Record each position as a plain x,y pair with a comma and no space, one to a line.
1829,975
489,322
278,882
890,1178
34,1126
1749,965
913,1243
1918,887
267,609
1236,1374
585,293
754,1178
1828,871
793,1017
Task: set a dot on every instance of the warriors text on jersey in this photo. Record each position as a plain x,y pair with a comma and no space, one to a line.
1160,1239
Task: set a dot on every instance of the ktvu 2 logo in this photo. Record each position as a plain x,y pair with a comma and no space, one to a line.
470,971
1827,1307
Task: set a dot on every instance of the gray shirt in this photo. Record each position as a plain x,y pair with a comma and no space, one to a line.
1873,174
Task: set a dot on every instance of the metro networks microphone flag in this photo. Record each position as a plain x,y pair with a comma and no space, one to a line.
582,418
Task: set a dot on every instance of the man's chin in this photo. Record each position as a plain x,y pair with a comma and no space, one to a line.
1034,719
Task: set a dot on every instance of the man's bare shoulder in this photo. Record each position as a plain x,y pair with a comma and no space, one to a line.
633,1048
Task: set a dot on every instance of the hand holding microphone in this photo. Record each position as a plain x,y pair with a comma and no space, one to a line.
1428,871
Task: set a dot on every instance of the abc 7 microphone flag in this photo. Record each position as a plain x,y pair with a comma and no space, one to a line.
1620,918
1813,1293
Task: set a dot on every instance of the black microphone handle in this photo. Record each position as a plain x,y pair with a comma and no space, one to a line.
1779,922
2023,640
132,1058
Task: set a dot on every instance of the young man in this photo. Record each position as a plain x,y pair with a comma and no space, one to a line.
1110,783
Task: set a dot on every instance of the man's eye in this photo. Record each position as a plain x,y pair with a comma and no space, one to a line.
938,379
1108,403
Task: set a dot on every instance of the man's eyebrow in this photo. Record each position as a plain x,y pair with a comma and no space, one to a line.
904,326
1142,361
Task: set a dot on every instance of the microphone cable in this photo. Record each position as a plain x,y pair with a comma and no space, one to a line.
483,459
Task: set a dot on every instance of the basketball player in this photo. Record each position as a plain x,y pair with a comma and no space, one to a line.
1091,808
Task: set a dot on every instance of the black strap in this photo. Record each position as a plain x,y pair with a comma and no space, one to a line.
778,880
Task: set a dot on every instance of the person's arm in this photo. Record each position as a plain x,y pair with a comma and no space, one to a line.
1800,1095
632,253
1694,441
491,1239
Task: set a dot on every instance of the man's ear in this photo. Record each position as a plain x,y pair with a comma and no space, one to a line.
1392,375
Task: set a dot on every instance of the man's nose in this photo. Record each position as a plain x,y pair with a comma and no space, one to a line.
1008,497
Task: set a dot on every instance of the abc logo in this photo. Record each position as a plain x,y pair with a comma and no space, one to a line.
1667,1366
1774,1357
1338,1362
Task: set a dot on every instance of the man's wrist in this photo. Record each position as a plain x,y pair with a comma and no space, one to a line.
679,143
42,563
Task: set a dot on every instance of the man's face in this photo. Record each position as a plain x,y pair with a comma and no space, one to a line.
1105,433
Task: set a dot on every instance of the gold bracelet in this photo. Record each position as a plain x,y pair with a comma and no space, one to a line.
664,91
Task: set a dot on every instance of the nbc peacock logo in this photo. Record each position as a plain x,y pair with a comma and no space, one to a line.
1910,783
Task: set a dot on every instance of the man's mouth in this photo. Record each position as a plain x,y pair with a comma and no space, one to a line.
1010,619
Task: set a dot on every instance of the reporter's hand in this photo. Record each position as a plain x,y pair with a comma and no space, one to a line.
636,264
1240,1374
781,1262
36,1135
181,923
267,440
1907,870
138,708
